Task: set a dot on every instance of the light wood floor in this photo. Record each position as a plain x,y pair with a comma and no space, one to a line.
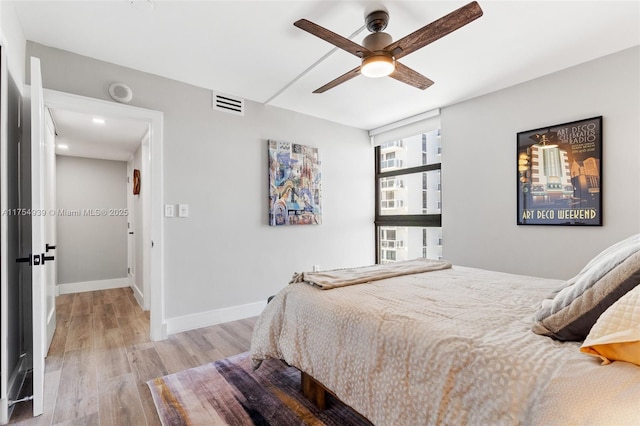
101,358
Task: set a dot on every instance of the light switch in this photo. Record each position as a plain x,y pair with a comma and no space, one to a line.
183,210
169,210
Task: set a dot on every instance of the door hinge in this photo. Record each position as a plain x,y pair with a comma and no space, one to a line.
128,270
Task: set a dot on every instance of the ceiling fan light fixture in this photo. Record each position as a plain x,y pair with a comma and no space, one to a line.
379,53
376,66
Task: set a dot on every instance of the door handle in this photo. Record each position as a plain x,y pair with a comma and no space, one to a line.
45,258
48,247
24,260
130,233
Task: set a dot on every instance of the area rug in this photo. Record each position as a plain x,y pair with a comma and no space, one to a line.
229,392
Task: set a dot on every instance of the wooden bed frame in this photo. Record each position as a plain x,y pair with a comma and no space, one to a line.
314,391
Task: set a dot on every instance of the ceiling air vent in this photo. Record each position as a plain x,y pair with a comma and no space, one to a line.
226,103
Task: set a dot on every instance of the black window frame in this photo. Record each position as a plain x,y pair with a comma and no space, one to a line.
411,220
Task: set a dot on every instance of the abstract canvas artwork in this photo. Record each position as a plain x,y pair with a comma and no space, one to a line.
295,191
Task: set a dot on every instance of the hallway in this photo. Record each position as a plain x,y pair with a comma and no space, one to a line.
101,357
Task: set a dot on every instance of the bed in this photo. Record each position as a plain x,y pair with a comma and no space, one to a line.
451,345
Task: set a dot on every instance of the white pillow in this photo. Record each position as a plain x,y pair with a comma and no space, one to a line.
570,313
616,334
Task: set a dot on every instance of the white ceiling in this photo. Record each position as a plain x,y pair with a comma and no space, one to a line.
252,49
109,139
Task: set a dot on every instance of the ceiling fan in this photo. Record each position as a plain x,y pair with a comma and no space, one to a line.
380,54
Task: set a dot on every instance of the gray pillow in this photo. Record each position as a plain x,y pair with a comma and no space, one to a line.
570,313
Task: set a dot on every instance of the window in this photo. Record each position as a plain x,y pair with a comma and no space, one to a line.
408,198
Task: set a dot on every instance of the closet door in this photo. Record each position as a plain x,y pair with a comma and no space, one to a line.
27,290
40,256
4,273
15,247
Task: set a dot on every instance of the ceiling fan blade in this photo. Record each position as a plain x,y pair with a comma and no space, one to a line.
406,75
333,38
435,30
344,77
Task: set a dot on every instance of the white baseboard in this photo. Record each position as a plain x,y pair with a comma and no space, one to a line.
205,319
93,285
137,293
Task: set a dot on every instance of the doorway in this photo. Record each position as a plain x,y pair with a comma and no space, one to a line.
151,218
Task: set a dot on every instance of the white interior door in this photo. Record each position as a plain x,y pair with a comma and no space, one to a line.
38,157
49,198
131,246
4,305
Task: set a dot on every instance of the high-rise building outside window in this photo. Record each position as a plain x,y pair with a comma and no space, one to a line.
408,198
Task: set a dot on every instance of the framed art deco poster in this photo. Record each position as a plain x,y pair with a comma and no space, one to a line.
559,172
294,184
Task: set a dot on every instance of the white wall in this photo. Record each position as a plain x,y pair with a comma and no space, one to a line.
13,41
479,168
91,247
225,254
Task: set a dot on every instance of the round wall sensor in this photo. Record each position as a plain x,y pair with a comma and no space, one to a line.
120,92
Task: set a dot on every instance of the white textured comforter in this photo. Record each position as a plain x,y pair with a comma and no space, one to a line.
448,347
